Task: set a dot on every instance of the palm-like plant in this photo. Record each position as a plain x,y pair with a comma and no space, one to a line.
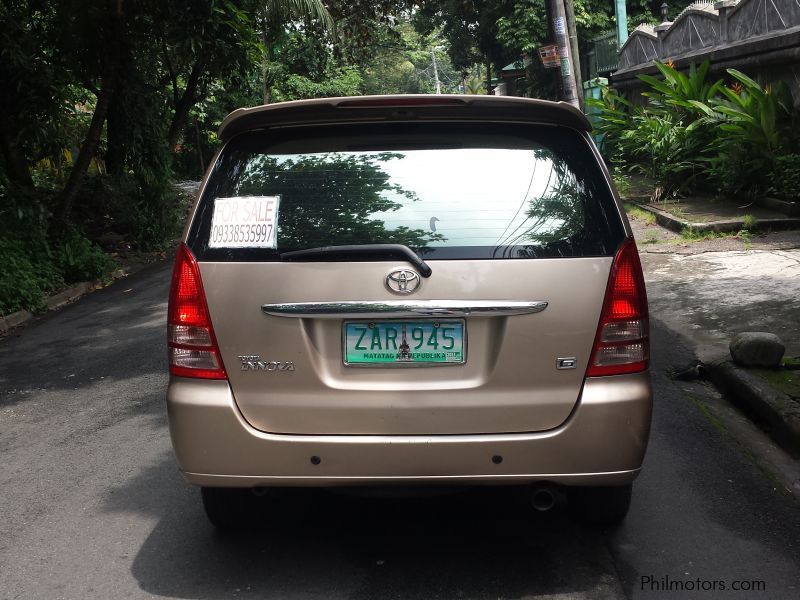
757,124
682,95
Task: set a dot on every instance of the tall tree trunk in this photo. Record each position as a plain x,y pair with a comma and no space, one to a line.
265,63
200,148
17,167
186,102
116,134
87,151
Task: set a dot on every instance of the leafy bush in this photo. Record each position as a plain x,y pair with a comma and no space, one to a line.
683,96
653,142
697,134
785,177
756,128
148,216
615,113
25,276
345,82
37,258
80,260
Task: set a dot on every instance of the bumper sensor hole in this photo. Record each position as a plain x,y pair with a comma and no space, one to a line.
315,460
497,459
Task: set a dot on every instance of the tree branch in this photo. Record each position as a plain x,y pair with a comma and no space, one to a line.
185,103
171,70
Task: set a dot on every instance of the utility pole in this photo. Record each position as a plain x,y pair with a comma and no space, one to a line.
569,91
436,73
569,6
621,13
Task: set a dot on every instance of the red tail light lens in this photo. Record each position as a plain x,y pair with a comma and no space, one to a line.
193,350
622,342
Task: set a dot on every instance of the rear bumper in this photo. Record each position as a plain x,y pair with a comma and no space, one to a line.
602,443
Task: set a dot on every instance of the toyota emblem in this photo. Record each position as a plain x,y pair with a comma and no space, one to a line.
403,281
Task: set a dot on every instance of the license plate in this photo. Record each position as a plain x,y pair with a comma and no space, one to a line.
385,343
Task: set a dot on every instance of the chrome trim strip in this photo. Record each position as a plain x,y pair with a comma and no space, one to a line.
384,309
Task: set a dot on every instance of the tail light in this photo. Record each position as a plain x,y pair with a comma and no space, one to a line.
622,342
193,350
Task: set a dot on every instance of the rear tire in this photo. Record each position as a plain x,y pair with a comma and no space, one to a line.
227,508
600,505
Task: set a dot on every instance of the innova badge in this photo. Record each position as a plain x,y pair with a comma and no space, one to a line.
403,281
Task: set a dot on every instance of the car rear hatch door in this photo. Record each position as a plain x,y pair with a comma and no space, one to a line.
515,223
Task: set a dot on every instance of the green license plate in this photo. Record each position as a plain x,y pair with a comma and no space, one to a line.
404,342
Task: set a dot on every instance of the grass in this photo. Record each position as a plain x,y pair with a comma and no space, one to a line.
651,238
676,210
622,183
640,214
749,223
690,234
785,380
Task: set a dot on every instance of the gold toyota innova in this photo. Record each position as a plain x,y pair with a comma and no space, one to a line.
409,290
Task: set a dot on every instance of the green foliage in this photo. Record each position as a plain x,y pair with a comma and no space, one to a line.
148,214
403,63
22,280
34,267
755,126
36,262
77,259
694,133
784,180
640,214
653,142
681,95
623,185
614,121
749,223
346,82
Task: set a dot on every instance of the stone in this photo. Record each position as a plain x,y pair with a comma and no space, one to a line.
757,349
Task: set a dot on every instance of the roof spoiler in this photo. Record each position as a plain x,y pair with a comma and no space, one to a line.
408,107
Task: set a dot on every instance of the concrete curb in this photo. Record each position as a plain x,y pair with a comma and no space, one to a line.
677,225
60,299
776,411
789,208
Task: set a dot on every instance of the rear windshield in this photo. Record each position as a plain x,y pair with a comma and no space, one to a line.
465,191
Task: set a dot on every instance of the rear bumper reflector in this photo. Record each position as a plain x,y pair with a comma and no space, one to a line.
403,308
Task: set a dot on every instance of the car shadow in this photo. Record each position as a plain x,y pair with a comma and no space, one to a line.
313,543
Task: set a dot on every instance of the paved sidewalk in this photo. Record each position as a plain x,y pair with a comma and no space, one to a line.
707,291
710,296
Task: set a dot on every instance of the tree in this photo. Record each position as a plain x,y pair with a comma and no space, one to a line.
471,31
200,41
96,36
274,18
34,88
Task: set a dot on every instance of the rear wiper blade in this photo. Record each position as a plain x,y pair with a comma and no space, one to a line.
365,249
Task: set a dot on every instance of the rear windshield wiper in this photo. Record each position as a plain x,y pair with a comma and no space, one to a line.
387,250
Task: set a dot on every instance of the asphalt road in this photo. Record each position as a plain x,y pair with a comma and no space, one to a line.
92,505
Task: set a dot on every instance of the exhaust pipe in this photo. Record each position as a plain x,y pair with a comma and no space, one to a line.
543,498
